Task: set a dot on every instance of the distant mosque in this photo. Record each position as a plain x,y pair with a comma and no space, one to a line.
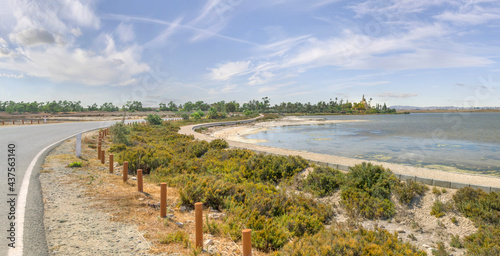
365,103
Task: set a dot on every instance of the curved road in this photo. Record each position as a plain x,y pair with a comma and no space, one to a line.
30,141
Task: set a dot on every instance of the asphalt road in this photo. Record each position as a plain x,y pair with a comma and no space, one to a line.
25,143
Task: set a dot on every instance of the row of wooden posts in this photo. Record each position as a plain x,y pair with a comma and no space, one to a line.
22,122
198,207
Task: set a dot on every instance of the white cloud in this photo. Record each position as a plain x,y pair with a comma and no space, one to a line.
229,70
125,32
4,48
260,78
11,76
475,17
395,9
213,17
397,95
279,48
76,65
76,32
230,88
32,37
80,12
49,24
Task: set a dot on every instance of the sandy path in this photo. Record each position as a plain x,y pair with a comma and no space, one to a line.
235,137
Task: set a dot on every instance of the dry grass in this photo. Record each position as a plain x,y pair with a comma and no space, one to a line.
124,204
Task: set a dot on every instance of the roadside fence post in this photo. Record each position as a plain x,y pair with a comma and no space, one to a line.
247,242
103,158
163,200
198,219
111,163
125,171
139,180
99,150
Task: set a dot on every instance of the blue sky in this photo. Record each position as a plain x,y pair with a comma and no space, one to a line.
402,52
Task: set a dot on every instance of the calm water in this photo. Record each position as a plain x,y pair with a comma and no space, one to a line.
466,142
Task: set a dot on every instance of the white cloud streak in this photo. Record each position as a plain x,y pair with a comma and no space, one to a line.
230,69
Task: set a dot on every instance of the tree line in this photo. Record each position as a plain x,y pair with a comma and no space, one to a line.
218,109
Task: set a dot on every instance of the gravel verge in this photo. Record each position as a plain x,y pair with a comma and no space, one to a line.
73,226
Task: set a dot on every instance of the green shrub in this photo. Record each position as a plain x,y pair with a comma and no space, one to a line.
481,207
75,164
153,119
436,191
456,242
406,191
218,144
367,191
342,241
323,181
120,134
439,208
441,250
485,242
177,237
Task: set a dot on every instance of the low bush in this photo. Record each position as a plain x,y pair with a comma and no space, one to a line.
484,210
439,208
367,191
75,164
218,144
406,191
323,181
177,237
153,119
120,134
481,207
342,241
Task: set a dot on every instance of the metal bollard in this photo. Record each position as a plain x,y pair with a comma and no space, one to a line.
198,219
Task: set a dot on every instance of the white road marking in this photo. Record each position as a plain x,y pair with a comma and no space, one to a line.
23,193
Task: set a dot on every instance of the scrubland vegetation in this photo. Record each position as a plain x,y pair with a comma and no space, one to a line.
198,109
267,194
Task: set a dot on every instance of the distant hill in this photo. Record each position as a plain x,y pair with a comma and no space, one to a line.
399,107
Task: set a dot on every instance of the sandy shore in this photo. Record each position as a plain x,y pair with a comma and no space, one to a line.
239,133
235,136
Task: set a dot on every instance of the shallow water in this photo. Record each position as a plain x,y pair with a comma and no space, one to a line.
464,142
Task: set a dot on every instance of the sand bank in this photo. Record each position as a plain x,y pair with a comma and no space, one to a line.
235,136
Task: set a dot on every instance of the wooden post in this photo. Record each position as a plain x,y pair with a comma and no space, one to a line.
139,180
13,122
163,200
111,163
31,121
125,171
22,121
103,158
247,242
99,150
198,222
38,121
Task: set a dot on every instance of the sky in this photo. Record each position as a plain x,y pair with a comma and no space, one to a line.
399,52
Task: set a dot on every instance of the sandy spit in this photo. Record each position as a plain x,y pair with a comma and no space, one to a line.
235,136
